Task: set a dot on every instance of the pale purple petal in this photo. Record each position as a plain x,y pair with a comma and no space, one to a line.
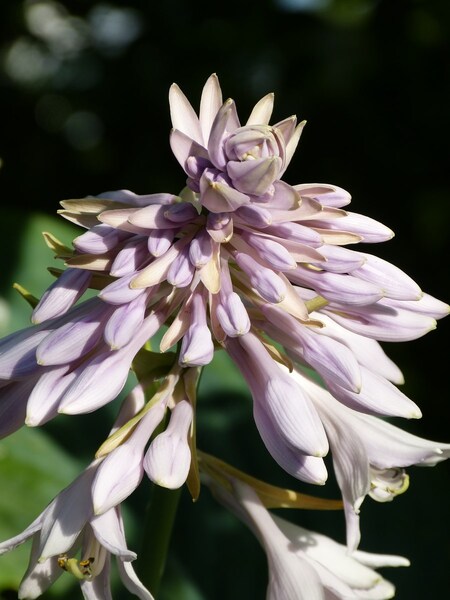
168,459
264,280
200,249
254,177
107,529
271,252
39,575
377,396
122,470
394,282
18,358
381,321
13,405
183,115
262,111
61,295
210,103
184,147
328,195
120,292
341,260
99,239
130,258
367,351
371,231
131,581
125,322
66,516
337,287
226,122
217,195
233,316
159,241
181,271
197,347
43,402
72,340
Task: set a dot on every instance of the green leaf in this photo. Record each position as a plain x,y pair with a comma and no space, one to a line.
33,469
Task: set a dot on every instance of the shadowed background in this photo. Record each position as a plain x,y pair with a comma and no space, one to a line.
83,109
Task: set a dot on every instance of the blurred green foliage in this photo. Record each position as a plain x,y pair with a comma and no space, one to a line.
83,103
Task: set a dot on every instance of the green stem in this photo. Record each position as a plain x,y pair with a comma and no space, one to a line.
161,512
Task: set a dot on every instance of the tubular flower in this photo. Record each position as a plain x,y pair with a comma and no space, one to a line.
67,536
238,259
369,454
304,564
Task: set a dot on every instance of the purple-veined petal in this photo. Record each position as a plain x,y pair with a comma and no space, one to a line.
368,352
427,306
159,241
262,111
264,280
371,231
341,260
131,581
256,216
382,321
271,252
233,316
184,148
254,177
295,232
337,287
72,340
183,115
328,195
394,282
181,271
120,292
99,239
200,249
61,295
66,516
18,356
168,459
377,396
210,103
151,217
108,531
43,401
226,122
218,196
125,322
131,257
39,575
122,470
197,347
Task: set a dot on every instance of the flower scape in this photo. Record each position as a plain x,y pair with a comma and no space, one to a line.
241,262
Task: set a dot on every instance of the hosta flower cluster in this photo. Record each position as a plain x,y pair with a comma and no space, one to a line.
239,261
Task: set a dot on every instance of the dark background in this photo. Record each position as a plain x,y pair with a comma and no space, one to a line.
83,109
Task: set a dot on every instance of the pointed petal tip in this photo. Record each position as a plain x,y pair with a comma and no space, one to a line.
415,414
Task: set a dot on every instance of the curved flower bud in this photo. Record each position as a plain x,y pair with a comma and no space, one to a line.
168,459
